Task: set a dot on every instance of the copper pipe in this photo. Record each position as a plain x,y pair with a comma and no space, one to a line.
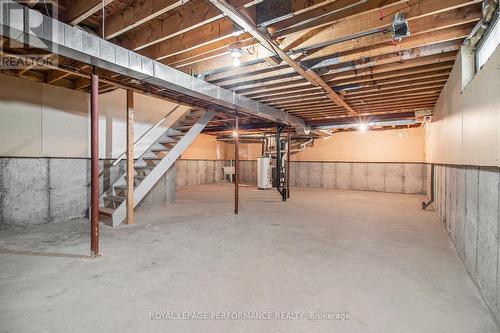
236,166
94,166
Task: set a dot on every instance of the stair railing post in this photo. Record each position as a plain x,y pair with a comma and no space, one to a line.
130,156
94,166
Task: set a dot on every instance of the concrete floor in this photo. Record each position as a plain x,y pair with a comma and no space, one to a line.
376,256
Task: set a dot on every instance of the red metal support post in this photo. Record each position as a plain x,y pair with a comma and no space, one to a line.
94,166
236,165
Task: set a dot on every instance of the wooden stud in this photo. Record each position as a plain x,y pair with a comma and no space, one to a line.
130,156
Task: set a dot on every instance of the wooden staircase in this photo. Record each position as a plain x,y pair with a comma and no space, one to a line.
183,128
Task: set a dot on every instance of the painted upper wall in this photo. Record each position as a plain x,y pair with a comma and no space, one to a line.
405,145
35,121
465,128
247,151
205,147
38,120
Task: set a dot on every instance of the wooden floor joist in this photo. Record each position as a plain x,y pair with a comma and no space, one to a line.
311,76
314,58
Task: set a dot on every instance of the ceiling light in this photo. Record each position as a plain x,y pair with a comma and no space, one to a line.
363,127
235,134
236,55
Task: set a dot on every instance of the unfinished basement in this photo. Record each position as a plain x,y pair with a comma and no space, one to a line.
250,166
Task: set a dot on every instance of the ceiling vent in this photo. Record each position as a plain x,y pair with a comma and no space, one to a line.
400,27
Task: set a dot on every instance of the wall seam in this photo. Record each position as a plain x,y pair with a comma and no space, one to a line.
49,191
41,119
2,191
457,195
478,219
498,245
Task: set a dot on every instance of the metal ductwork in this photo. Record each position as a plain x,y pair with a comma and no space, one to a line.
36,30
375,123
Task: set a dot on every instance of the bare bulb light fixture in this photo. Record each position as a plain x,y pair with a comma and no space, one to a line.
236,55
363,127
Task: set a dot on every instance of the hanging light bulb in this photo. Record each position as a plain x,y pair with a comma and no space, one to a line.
363,127
235,134
236,55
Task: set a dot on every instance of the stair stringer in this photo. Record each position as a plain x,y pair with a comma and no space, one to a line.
173,117
162,167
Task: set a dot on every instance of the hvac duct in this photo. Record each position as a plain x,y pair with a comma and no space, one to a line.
36,30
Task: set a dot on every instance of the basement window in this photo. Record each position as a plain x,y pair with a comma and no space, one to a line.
488,43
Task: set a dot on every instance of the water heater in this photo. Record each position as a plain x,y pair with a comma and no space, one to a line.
264,173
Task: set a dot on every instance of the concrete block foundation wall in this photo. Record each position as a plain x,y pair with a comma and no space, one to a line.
196,172
384,177
467,201
163,193
41,190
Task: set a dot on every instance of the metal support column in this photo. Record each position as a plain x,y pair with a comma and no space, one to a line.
288,154
236,165
280,172
130,156
94,166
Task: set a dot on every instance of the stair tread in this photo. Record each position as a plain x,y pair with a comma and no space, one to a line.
168,139
114,198
120,187
156,157
136,177
160,149
106,211
168,142
172,132
175,134
143,167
